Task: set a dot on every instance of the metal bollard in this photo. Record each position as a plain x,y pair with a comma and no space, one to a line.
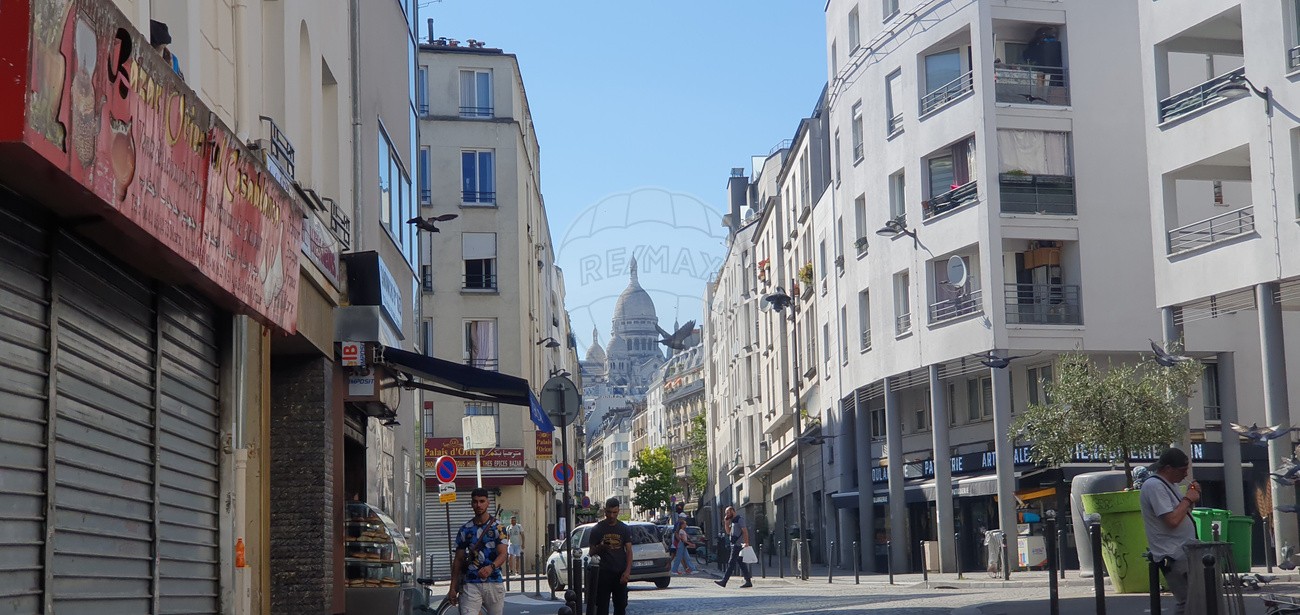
762,565
830,567
1098,580
1214,531
1153,578
957,543
857,575
1006,557
925,570
780,557
565,610
1053,555
889,560
590,589
1211,585
537,571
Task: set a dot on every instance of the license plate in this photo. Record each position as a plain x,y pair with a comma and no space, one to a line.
636,564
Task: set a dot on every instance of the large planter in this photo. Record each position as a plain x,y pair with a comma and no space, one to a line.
1123,538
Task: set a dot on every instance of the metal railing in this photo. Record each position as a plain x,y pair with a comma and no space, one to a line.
426,279
866,340
480,281
956,307
1031,84
939,97
894,125
857,152
860,244
902,323
423,108
1197,96
476,111
1212,230
783,144
340,225
962,195
426,196
1293,57
1037,194
282,149
484,198
1043,304
488,364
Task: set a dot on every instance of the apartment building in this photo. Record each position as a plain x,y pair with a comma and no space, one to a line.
1218,111
492,297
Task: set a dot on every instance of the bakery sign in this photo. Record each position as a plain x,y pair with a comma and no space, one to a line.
118,137
504,459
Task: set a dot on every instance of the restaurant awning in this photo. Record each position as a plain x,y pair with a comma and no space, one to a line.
464,381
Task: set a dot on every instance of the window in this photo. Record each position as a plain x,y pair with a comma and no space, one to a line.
426,337
480,349
426,421
864,320
396,199
826,347
855,30
894,103
902,303
890,8
480,408
1038,378
878,423
839,157
1034,152
857,132
844,334
479,251
941,69
821,263
478,177
424,173
476,93
835,60
922,413
1210,392
897,204
422,90
979,398
860,224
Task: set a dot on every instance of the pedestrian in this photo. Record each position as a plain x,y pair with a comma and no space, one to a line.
515,538
681,542
736,529
1167,516
611,539
476,582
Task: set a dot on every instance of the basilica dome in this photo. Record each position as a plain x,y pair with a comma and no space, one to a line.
634,303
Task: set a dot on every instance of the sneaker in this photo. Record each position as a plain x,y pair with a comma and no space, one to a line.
747,584
719,583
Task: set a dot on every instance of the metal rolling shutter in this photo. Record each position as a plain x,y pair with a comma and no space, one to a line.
189,434
24,338
437,559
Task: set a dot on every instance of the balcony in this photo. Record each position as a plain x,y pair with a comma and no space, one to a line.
1212,230
476,111
947,93
860,244
903,324
480,281
1037,194
956,198
1043,304
866,340
957,307
894,125
472,197
1032,85
1293,58
1198,96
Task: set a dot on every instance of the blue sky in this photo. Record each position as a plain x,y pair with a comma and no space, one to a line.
641,110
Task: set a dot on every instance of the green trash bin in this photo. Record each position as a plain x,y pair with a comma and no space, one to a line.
1240,533
1205,518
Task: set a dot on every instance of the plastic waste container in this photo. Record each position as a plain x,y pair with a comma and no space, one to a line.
1226,594
1205,518
1240,532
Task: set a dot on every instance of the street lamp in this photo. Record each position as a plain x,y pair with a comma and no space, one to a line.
779,301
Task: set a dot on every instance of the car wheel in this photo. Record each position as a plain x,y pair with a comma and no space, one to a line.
662,583
553,578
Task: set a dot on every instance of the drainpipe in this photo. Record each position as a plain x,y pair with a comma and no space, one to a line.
243,602
354,38
245,118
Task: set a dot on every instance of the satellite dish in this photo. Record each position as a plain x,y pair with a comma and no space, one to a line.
957,271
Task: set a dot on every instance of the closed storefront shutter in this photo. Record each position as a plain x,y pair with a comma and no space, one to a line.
24,330
437,551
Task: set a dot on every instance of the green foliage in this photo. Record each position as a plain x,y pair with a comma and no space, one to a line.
1114,412
658,479
697,471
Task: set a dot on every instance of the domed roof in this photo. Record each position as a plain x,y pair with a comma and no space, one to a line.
595,352
634,302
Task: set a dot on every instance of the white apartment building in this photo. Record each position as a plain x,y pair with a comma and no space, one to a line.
1219,108
492,296
609,456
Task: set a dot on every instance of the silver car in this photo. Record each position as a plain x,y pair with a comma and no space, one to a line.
650,558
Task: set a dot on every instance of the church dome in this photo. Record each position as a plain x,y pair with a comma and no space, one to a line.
634,303
595,352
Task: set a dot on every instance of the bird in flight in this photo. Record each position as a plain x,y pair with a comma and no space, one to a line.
992,360
677,339
1165,358
1260,435
427,224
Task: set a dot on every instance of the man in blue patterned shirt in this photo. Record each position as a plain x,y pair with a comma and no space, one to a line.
476,581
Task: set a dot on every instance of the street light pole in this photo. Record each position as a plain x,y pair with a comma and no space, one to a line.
779,301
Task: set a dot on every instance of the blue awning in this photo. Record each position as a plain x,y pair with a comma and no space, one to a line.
465,381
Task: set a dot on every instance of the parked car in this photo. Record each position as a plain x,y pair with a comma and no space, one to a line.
650,558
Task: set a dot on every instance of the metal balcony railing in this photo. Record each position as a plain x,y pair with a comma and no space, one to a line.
480,281
860,244
1212,230
857,152
426,196
340,225
476,111
960,196
1198,96
894,125
940,97
424,108
471,197
1031,84
488,364
866,340
956,307
426,280
1043,304
1293,57
1037,194
902,323
282,150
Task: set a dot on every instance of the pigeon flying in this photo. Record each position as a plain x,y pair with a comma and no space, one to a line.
677,339
1260,435
991,360
1164,358
426,224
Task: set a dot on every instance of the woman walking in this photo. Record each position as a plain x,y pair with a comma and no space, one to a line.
682,542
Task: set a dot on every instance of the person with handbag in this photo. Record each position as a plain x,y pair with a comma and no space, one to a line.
736,528
681,542
476,581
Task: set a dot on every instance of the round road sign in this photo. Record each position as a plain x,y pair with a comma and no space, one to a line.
562,472
561,400
445,468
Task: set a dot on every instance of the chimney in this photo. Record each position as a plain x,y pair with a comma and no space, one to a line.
737,191
430,30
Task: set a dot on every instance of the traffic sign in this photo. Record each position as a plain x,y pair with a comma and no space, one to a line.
446,493
445,468
561,400
562,472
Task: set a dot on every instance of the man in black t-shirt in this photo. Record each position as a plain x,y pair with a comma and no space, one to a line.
612,541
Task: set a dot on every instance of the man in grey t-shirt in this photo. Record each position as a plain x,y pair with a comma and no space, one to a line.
1167,515
736,528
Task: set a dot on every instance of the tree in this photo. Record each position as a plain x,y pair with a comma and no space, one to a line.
658,480
1116,412
697,470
